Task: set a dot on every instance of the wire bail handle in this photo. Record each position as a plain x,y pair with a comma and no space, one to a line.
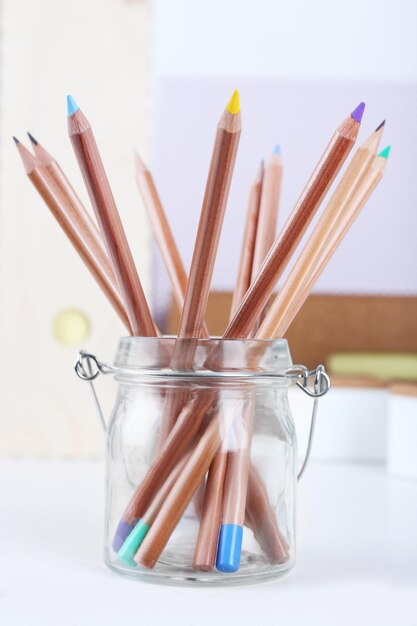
321,386
88,367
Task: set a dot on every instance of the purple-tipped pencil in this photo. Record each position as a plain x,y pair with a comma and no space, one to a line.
326,170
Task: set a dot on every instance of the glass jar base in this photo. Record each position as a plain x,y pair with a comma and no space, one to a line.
254,568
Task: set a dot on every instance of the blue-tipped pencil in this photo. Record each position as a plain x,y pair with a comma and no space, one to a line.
234,493
109,222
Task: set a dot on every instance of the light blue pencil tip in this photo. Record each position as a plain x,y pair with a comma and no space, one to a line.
229,548
277,149
72,106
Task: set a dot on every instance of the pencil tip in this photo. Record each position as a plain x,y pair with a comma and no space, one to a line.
139,161
277,149
32,138
233,106
358,112
15,139
260,172
382,124
385,152
72,106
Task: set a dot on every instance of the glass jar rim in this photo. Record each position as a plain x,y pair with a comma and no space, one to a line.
210,357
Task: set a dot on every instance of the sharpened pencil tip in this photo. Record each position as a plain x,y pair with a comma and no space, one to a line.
15,139
358,112
233,106
72,106
32,138
277,149
382,124
139,161
385,152
259,173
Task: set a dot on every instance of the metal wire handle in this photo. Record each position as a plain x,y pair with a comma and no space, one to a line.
88,367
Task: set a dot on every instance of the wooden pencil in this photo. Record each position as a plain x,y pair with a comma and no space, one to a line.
169,454
258,294
298,286
235,490
205,551
82,234
163,234
280,254
247,250
261,518
235,482
181,494
56,172
268,211
139,532
209,527
109,221
176,430
322,233
170,255
211,221
205,250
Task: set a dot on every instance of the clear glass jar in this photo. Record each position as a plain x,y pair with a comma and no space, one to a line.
201,462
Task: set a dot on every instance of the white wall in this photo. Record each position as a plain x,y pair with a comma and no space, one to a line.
98,51
294,62
367,39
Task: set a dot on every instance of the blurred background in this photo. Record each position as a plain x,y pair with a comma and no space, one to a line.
156,75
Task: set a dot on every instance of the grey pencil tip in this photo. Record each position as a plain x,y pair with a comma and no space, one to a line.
382,124
32,138
15,139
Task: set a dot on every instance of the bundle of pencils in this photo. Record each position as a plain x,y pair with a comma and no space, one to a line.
190,461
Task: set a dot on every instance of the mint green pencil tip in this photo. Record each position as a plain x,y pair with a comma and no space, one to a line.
385,152
132,543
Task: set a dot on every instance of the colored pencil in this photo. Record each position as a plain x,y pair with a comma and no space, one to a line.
268,211
211,221
149,555
280,254
205,551
163,234
158,220
109,222
138,534
71,216
261,518
177,431
181,494
322,244
247,252
205,250
203,447
257,296
56,172
169,454
235,487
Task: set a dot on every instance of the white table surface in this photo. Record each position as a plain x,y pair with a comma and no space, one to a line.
357,556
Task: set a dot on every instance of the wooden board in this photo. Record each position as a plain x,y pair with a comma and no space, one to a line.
333,323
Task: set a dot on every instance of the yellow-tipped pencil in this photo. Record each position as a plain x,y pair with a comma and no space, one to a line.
187,423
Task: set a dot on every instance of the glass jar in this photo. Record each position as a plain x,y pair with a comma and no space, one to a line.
201,460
